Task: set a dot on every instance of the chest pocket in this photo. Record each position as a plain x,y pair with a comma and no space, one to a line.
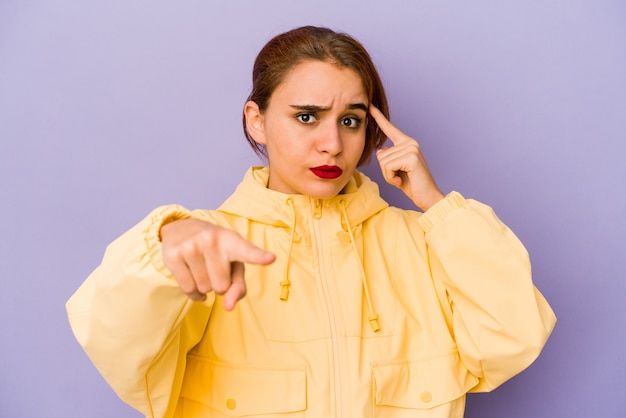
219,390
424,389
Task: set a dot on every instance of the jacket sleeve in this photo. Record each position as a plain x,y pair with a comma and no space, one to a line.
134,322
482,271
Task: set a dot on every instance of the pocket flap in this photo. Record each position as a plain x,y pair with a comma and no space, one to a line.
245,390
421,384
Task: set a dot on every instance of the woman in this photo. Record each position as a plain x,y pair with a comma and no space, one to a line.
352,308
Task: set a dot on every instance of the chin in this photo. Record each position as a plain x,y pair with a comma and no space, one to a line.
323,196
326,192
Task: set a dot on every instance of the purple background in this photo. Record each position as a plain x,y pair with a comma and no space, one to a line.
110,108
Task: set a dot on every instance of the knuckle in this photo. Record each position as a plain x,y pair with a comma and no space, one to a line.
180,252
414,144
221,286
187,287
209,238
204,287
188,248
171,254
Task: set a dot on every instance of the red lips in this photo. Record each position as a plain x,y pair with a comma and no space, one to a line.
327,171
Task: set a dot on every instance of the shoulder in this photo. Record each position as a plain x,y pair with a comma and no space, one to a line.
395,221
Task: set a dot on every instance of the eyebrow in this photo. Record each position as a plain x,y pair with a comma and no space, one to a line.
315,108
361,106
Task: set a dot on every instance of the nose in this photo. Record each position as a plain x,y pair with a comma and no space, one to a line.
329,140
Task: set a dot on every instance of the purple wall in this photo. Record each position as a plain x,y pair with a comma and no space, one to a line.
108,109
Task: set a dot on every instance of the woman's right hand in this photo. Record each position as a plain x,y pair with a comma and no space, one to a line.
204,257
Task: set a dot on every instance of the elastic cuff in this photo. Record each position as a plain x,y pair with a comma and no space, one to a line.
436,214
160,217
175,216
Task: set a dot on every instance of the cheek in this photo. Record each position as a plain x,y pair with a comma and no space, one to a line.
358,150
358,144
287,145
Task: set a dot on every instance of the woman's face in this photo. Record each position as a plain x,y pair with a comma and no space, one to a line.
313,129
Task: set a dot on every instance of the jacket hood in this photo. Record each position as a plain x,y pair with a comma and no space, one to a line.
253,200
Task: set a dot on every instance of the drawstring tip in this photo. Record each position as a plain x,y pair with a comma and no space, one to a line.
284,291
374,323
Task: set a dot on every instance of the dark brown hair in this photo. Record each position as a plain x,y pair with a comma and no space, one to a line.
285,51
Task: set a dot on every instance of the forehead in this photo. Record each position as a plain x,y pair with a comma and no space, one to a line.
320,82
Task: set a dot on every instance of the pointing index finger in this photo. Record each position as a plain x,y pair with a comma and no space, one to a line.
393,133
243,251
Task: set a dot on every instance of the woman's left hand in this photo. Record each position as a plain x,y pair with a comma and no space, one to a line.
404,166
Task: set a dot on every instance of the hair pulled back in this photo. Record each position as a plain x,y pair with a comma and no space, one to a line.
285,51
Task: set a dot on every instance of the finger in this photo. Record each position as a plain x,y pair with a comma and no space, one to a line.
236,251
199,273
185,280
237,289
219,271
406,156
400,160
394,134
390,175
241,250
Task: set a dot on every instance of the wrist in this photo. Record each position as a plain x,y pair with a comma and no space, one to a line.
169,219
427,202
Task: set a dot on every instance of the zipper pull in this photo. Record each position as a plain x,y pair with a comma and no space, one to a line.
374,323
284,289
317,208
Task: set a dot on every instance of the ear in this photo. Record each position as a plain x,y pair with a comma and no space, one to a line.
255,121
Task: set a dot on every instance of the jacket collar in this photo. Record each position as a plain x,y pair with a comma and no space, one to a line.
253,200
358,202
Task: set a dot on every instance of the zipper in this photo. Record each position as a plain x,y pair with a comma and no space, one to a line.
332,316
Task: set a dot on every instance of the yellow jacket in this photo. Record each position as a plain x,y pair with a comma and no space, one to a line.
368,311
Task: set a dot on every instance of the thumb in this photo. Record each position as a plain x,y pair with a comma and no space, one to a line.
237,289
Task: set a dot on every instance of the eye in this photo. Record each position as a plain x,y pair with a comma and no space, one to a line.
351,122
306,118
